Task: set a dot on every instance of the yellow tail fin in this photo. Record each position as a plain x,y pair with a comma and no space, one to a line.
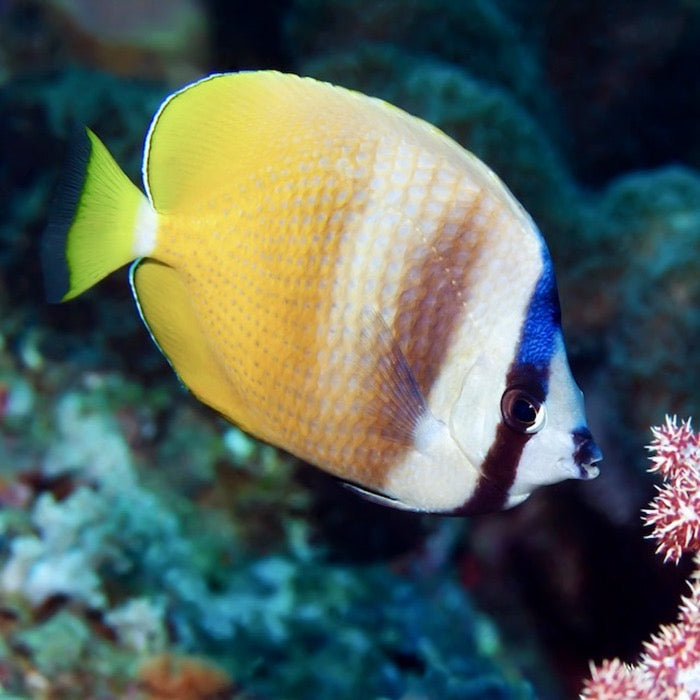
100,221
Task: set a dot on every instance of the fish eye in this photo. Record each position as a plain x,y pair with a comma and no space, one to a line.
522,411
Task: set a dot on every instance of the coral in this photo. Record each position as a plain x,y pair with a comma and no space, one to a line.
644,227
614,680
670,665
52,563
57,645
98,527
139,624
675,512
169,677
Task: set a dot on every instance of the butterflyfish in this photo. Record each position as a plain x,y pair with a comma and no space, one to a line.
339,279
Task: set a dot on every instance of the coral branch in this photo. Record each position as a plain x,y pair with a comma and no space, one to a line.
670,664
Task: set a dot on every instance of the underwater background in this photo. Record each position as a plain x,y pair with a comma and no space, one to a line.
150,550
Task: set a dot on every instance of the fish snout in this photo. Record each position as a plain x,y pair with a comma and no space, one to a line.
587,454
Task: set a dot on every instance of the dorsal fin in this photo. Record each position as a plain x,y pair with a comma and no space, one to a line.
215,132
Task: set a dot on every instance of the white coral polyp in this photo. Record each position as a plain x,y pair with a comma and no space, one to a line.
68,574
24,552
689,678
139,624
39,575
63,560
91,443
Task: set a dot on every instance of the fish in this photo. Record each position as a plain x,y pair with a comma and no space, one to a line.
339,279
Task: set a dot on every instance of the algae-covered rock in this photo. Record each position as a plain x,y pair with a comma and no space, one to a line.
59,644
653,235
475,35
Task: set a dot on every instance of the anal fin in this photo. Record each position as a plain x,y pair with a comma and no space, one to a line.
165,307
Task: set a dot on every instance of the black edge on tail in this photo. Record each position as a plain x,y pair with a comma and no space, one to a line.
64,208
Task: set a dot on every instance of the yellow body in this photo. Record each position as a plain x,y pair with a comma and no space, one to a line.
299,237
335,276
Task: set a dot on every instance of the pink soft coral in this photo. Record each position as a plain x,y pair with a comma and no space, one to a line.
675,512
669,668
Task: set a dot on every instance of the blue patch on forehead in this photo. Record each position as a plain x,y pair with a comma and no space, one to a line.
542,321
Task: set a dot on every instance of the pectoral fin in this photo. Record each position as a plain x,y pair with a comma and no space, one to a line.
398,401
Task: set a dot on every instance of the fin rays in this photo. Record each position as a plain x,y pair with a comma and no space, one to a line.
398,403
94,222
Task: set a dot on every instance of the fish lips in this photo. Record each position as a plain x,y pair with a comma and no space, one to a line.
587,454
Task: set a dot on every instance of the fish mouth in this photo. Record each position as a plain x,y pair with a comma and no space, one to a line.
587,454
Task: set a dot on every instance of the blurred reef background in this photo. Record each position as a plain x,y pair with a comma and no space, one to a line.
149,550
